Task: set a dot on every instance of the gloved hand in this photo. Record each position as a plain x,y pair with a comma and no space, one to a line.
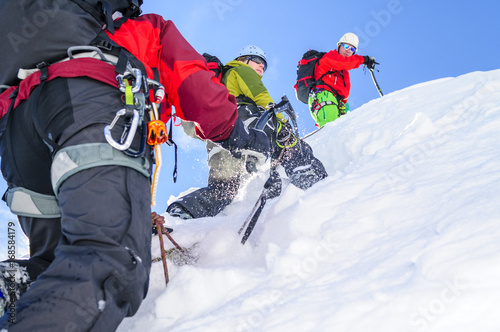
273,185
285,135
370,62
247,142
160,220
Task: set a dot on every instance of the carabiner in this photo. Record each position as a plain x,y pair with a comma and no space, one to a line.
136,74
160,90
129,136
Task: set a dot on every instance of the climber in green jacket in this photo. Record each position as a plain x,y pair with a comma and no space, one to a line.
243,79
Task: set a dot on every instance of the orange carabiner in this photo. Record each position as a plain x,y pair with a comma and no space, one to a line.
157,132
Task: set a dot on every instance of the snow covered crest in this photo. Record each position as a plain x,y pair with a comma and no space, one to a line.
402,236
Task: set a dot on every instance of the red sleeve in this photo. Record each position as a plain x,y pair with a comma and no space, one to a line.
190,87
334,61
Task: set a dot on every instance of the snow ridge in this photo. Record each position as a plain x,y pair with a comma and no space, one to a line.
402,236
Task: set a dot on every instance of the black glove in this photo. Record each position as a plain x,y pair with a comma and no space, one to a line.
285,135
247,142
370,62
273,185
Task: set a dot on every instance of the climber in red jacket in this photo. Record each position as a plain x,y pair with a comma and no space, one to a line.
82,194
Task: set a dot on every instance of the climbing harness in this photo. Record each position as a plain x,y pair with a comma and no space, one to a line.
317,105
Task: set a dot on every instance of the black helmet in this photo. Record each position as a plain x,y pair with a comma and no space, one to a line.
134,8
129,8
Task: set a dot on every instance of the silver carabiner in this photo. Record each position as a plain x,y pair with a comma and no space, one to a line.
138,80
130,134
160,92
137,84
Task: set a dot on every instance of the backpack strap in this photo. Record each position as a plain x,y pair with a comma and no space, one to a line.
89,8
103,11
242,99
340,72
225,70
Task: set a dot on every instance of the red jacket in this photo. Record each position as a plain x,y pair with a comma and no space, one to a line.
339,80
190,87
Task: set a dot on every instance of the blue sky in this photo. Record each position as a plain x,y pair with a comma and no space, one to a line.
414,40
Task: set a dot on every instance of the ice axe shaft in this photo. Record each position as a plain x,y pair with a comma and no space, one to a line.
376,83
162,248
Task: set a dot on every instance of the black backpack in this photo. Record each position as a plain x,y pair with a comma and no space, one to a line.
36,31
215,65
305,74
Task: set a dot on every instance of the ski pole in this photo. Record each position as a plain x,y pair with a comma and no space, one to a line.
376,83
312,133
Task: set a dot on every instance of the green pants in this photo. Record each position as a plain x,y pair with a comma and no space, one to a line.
325,108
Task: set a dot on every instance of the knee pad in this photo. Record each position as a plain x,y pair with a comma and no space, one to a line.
69,161
27,203
73,159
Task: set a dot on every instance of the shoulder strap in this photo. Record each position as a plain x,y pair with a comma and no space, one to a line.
242,99
225,70
103,10
89,8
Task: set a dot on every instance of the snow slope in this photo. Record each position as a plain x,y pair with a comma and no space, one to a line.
402,236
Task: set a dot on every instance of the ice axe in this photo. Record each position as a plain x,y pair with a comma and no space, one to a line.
376,83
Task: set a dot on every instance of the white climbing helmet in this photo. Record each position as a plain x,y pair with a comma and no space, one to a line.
252,50
349,38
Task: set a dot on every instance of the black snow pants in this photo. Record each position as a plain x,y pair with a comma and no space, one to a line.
98,270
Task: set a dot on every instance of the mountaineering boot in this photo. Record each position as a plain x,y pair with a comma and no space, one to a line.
302,167
305,177
14,282
177,210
